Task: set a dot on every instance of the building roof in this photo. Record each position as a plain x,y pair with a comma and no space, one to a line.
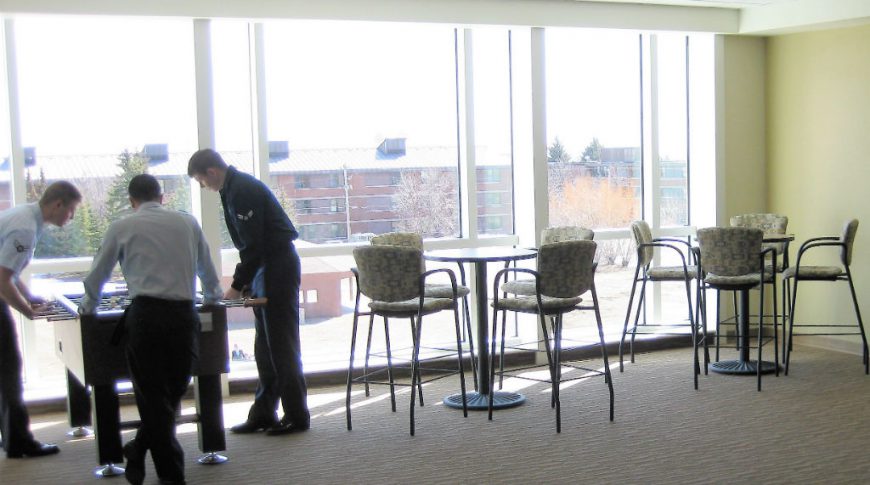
57,167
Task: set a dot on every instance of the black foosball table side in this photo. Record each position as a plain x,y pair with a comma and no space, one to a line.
84,344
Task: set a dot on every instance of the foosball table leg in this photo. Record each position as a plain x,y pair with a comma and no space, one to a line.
209,409
107,424
78,407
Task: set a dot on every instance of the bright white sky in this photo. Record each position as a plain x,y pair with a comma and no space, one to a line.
99,85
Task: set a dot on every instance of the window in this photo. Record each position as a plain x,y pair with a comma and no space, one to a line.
493,124
672,122
303,206
397,110
490,199
103,121
594,127
490,175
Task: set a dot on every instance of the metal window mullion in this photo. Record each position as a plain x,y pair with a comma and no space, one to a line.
205,203
467,180
259,121
18,189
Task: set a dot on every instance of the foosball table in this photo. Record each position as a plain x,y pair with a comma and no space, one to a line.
85,345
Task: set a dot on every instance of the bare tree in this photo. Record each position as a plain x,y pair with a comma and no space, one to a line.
596,203
425,203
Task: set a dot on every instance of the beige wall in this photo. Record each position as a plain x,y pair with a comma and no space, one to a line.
741,176
818,151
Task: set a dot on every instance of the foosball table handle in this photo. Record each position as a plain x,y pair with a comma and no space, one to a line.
253,302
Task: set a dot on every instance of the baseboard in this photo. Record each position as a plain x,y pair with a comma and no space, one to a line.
826,342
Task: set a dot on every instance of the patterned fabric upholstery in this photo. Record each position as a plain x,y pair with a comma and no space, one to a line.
390,277
671,273
401,308
414,240
434,290
642,234
769,223
850,228
388,273
548,236
566,270
730,255
566,233
404,239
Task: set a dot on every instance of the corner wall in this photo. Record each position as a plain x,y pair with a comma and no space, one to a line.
741,121
819,155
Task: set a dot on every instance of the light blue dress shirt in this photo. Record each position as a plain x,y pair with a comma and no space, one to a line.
20,228
161,252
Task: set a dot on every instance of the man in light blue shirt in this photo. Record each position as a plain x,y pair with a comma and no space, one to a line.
20,228
161,252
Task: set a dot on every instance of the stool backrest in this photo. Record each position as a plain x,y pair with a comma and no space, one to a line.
401,239
567,268
848,237
642,234
389,273
566,233
730,251
769,223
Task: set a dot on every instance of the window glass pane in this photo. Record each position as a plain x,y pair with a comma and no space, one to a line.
593,127
231,81
5,150
492,130
671,56
103,99
362,118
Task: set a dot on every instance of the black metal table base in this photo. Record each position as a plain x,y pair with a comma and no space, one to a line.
742,367
477,401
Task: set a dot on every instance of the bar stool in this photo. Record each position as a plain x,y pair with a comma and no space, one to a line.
566,272
391,277
771,224
802,272
645,272
732,259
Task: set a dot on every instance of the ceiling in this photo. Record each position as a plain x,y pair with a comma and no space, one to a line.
704,3
768,17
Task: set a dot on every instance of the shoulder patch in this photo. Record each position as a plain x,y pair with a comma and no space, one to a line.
20,247
245,217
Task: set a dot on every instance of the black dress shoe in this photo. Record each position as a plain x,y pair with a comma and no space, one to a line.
134,472
252,426
286,426
33,449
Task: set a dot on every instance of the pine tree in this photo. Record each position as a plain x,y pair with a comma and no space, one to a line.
556,153
118,202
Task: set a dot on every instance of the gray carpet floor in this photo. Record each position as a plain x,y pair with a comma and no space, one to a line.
809,427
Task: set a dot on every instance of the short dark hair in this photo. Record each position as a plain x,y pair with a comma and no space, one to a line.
144,188
62,191
203,160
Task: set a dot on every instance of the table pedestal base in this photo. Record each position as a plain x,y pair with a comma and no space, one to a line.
478,401
741,367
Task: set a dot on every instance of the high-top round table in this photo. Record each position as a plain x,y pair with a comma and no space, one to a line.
480,257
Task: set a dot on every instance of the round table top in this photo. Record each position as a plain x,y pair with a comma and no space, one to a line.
771,237
474,255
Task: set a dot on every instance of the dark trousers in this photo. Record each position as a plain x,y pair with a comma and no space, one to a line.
277,348
14,420
161,349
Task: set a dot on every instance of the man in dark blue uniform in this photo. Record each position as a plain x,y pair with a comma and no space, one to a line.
270,268
20,228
